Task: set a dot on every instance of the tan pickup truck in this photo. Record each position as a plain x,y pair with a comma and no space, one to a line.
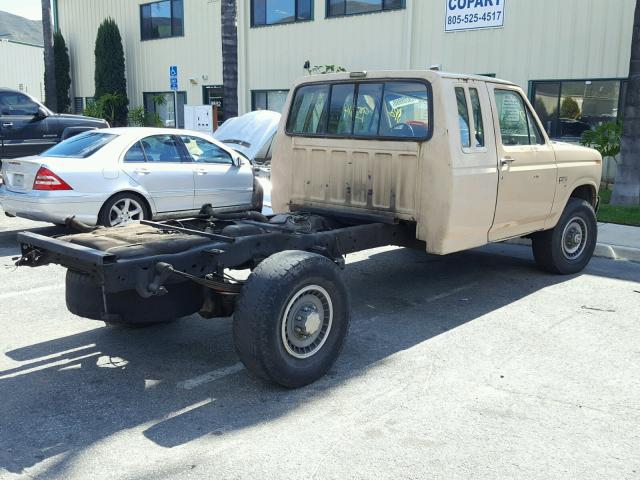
424,160
463,157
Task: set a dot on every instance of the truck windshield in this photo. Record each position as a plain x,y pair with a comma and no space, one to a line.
80,146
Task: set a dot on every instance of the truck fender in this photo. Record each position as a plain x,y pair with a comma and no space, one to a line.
73,131
562,198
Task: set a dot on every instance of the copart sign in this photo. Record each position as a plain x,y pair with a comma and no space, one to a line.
474,14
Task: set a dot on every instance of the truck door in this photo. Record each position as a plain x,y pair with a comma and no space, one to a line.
526,164
23,130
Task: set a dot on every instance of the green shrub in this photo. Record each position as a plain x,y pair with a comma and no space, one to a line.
605,138
109,73
63,78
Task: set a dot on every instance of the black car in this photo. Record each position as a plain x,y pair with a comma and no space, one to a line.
27,127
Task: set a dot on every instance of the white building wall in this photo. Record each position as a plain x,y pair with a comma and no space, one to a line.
23,67
541,39
197,54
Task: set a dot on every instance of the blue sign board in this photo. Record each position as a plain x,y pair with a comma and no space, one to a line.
173,77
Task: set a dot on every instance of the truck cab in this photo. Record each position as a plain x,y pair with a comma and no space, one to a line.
28,128
464,157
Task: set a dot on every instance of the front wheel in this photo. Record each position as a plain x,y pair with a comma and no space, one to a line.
568,247
291,318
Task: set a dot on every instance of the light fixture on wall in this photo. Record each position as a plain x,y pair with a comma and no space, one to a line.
205,78
193,81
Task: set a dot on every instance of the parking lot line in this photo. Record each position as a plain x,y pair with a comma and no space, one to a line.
210,376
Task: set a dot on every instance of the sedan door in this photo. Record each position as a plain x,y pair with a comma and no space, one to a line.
218,180
156,163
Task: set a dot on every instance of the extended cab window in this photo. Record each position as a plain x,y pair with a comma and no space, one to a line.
463,117
394,109
517,126
477,117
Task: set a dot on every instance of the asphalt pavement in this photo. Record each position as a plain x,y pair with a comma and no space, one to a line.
473,365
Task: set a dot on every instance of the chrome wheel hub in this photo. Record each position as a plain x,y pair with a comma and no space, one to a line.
574,238
125,211
307,321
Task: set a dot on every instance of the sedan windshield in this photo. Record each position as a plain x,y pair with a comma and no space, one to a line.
80,146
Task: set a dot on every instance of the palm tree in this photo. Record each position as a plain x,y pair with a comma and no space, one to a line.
627,188
50,92
229,57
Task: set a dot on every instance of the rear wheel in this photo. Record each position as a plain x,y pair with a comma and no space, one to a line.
568,247
291,318
123,208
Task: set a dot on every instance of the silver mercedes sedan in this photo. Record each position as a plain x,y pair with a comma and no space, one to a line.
113,176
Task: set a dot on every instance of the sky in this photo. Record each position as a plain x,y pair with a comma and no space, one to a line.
30,9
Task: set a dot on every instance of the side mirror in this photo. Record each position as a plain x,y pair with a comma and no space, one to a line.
41,113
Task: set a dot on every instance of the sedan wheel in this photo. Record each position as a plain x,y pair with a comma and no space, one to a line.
125,211
122,209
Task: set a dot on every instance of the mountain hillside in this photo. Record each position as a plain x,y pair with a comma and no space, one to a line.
20,29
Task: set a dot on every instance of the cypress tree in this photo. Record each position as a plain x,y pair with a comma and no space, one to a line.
63,80
109,74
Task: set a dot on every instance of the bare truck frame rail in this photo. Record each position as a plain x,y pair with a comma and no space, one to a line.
290,315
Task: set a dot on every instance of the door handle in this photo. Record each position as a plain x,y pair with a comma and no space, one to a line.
7,124
142,171
506,161
200,171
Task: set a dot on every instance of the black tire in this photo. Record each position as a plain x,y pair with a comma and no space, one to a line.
550,248
84,298
258,331
257,200
103,216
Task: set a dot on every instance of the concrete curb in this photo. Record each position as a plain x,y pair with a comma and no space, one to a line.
603,250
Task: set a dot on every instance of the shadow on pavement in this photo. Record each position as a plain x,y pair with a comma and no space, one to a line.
80,389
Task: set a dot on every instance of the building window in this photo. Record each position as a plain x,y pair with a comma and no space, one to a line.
78,105
273,100
161,19
274,12
568,108
339,8
89,101
389,110
163,104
